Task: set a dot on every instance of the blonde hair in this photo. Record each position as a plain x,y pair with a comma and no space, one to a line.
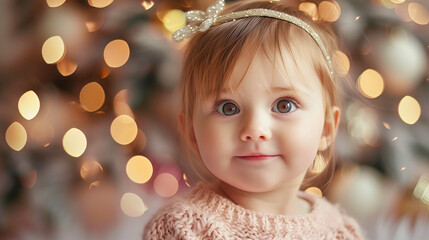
211,55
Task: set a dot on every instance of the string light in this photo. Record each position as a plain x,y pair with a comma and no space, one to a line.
409,110
53,50
329,11
92,97
74,142
370,83
132,205
55,3
16,136
123,129
116,53
139,169
29,105
99,3
147,5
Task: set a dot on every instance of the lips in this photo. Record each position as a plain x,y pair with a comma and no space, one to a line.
256,157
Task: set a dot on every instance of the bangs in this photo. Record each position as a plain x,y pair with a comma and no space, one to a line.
211,69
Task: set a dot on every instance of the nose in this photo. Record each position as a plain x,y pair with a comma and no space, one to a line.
256,127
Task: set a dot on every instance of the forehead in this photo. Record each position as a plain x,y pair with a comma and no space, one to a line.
281,67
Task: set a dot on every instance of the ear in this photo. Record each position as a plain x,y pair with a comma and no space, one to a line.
188,134
330,129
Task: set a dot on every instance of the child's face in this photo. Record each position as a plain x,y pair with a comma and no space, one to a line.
265,133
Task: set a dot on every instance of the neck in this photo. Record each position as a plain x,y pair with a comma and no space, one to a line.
283,200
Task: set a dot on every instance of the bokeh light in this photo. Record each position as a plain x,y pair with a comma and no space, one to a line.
116,53
16,136
90,170
166,185
342,63
329,11
53,50
99,3
120,104
402,11
315,191
362,124
386,125
139,169
147,4
74,142
174,20
397,1
132,205
66,67
310,8
185,178
418,13
123,129
370,83
409,110
55,3
92,97
29,105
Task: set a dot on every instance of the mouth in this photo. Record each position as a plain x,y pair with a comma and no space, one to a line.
256,157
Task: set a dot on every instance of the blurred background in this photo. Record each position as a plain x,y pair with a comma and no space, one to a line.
89,146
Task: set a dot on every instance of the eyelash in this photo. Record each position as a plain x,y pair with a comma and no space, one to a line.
292,99
286,97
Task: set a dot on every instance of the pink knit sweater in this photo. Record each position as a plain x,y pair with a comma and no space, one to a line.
204,214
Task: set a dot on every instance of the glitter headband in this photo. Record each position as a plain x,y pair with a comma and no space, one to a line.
200,21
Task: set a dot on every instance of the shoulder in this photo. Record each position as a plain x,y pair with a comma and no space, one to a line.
168,220
183,218
334,218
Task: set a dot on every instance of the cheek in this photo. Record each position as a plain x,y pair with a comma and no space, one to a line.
211,140
302,142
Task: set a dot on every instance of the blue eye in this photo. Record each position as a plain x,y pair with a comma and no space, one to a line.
284,106
227,109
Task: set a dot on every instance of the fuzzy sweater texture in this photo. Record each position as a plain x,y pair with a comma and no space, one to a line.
205,214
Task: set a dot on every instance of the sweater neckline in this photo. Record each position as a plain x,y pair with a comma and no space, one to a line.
208,200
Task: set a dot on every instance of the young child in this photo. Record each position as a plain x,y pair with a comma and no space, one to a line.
259,113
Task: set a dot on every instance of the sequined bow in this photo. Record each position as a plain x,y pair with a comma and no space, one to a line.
199,21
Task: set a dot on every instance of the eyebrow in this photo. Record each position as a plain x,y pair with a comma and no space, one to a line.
272,89
281,89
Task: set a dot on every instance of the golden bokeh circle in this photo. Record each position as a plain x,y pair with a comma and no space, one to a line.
370,83
53,50
116,53
74,142
16,136
329,11
55,3
99,3
409,110
123,129
92,97
139,169
29,105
